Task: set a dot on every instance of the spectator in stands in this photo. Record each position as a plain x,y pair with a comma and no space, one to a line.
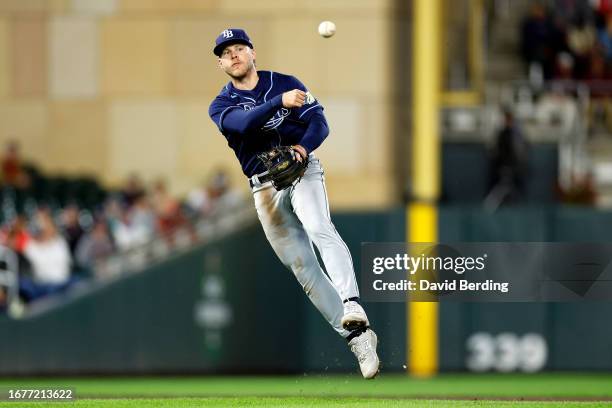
197,200
216,195
134,188
114,207
605,40
49,255
548,40
15,235
539,38
597,66
570,9
12,168
509,164
95,245
132,227
167,208
581,38
71,228
142,217
603,8
564,69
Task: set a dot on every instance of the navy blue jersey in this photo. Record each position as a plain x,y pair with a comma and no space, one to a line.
255,121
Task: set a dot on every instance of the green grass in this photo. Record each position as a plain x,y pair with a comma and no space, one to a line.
458,390
303,402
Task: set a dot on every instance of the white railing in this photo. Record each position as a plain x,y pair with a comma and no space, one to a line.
196,231
553,112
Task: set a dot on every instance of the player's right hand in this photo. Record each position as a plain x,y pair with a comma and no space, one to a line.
294,99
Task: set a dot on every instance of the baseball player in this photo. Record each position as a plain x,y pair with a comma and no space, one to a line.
258,111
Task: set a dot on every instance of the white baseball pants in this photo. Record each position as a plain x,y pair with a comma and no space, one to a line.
295,218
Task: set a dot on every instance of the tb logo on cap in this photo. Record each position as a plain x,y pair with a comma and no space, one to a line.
227,34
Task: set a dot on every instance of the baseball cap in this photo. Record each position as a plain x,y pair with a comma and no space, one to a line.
231,36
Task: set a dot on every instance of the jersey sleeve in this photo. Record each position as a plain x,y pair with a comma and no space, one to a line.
316,132
218,109
311,105
238,121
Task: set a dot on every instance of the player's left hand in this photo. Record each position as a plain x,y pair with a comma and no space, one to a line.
302,154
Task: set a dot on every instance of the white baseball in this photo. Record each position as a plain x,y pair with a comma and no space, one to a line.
327,29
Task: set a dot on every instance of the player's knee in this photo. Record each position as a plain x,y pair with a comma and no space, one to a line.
301,272
306,283
323,232
297,267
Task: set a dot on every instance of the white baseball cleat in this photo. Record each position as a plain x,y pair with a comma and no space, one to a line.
364,348
354,316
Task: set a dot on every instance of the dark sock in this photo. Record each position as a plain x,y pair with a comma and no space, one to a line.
356,333
353,299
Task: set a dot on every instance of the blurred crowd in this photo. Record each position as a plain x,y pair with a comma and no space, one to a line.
568,42
59,241
568,39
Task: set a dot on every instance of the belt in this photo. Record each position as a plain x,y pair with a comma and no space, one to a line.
261,178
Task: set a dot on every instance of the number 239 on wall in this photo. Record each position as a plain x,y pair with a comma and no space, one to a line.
506,352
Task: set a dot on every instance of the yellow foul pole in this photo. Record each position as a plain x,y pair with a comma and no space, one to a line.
422,347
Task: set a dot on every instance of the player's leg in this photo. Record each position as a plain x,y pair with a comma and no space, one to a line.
309,199
293,247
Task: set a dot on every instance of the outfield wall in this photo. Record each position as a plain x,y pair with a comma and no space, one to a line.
231,307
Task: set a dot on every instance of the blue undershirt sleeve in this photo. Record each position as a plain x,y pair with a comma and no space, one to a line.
316,132
238,121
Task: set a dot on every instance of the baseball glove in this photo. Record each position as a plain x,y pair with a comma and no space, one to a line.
283,167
